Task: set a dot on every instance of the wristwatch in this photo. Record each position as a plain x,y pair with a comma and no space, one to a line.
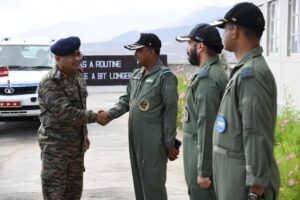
252,196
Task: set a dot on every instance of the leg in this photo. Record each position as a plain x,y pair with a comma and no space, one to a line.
75,177
197,193
138,189
190,158
153,177
53,175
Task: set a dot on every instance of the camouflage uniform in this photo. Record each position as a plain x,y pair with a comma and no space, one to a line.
152,105
202,104
62,135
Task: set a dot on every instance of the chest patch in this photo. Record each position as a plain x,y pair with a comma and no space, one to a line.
144,105
220,124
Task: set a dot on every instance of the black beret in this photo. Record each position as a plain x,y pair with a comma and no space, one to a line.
65,46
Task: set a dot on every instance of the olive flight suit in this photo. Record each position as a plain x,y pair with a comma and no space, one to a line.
152,104
202,104
243,136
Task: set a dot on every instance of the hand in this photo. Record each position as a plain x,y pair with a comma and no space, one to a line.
103,118
172,153
203,182
87,142
257,190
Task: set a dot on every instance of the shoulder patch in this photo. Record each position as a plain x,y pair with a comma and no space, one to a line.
203,73
167,71
247,72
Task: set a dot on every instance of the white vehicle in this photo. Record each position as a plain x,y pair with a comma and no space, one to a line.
26,62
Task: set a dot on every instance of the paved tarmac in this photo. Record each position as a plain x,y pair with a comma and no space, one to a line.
108,173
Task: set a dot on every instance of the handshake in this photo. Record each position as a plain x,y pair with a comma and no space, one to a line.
102,118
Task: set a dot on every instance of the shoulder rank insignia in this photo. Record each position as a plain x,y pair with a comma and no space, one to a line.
167,71
203,73
57,75
247,72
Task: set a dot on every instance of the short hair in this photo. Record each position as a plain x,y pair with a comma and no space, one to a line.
211,51
250,34
156,50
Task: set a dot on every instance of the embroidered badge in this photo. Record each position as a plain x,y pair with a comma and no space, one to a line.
220,124
144,105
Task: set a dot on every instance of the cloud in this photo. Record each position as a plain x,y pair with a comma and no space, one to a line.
20,16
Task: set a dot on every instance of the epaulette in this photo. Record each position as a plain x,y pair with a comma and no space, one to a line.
203,73
57,75
247,72
137,73
167,71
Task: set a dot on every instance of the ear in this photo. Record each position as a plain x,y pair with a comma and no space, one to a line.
200,46
235,32
58,59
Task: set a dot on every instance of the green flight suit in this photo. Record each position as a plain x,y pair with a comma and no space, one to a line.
152,104
243,136
202,104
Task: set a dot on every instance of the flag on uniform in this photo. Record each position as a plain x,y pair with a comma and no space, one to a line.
3,71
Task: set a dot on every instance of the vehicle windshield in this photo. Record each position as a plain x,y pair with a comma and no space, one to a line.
26,56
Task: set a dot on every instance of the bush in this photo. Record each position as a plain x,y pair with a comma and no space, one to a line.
287,151
183,84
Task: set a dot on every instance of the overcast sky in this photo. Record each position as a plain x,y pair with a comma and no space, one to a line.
19,16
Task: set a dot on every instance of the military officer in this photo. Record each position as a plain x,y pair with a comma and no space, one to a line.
243,161
202,104
62,135
151,100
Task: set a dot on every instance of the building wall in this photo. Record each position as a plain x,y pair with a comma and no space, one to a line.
285,65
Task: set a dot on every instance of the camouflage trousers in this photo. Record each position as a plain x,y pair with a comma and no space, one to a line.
62,173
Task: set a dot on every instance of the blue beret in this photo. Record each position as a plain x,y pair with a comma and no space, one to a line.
65,46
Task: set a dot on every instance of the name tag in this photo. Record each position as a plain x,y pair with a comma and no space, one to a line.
149,80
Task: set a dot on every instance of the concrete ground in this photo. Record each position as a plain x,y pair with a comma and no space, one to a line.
108,173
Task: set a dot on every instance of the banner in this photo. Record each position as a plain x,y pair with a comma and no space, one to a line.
110,70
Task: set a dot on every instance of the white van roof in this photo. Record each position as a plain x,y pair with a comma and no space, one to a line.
26,41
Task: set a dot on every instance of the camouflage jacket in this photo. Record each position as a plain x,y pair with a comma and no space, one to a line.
63,115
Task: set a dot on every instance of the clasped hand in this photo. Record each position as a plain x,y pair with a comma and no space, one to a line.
103,118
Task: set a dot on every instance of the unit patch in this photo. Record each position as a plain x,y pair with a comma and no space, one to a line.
220,124
144,105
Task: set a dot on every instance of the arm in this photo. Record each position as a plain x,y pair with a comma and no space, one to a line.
121,107
170,101
60,107
207,104
257,119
